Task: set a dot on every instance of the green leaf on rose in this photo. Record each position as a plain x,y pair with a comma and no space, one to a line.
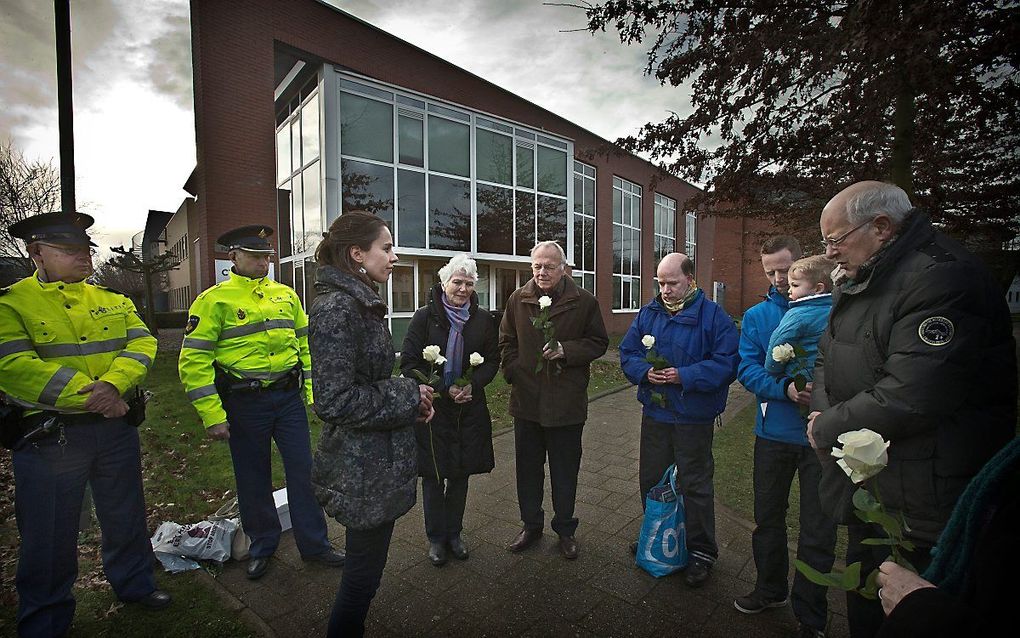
863,500
887,521
799,351
832,579
851,578
799,382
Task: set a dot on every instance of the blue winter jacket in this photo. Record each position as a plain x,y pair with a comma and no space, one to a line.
777,418
700,342
802,325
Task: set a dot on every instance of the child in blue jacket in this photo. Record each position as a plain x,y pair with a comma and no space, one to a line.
805,321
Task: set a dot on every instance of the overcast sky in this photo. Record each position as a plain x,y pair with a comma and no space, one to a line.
133,102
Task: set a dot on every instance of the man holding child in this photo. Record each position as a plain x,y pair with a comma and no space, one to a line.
793,314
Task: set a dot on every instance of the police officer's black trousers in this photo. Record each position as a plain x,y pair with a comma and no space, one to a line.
50,482
256,419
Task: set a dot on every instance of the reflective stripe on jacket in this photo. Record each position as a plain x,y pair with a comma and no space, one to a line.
57,338
253,329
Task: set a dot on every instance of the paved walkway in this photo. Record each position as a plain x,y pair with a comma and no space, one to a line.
536,593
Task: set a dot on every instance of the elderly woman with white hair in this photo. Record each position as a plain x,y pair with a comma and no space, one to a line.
458,440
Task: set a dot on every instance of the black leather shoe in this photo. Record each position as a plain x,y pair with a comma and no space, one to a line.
437,554
457,548
568,547
257,567
157,599
525,539
697,574
329,558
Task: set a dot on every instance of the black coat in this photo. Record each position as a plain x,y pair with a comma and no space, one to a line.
458,441
921,352
364,467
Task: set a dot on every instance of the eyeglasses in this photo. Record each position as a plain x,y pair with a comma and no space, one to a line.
545,267
71,251
836,241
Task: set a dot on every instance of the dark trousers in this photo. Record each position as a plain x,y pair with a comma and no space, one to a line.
775,463
49,483
864,616
562,445
443,503
366,559
256,419
690,447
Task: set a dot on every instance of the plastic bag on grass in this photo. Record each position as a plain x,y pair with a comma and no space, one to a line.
205,540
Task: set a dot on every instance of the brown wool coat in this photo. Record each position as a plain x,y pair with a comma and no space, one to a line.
546,397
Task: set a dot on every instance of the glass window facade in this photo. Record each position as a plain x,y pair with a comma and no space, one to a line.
584,226
665,227
299,179
626,245
691,236
450,179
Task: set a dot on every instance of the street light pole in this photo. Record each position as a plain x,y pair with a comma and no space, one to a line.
62,12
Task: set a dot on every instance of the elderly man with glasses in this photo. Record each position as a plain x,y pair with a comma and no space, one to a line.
71,357
919,348
549,395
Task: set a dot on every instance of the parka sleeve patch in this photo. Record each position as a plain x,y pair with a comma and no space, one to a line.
936,331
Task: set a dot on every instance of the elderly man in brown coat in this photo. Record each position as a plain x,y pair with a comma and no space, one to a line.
549,405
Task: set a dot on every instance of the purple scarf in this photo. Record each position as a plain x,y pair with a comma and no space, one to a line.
455,341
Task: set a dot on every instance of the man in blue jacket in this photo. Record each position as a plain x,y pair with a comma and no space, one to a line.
781,449
698,340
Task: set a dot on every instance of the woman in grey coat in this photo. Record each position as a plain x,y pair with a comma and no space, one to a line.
365,468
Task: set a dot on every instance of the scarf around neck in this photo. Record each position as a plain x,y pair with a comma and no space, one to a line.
684,303
458,316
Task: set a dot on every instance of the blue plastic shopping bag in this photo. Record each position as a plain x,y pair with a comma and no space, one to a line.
662,545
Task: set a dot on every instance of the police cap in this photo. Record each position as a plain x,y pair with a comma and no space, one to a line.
254,239
54,228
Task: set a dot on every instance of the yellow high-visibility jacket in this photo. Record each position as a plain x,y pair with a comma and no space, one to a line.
56,338
253,329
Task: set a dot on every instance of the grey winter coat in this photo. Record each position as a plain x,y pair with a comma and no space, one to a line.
920,351
364,470
458,440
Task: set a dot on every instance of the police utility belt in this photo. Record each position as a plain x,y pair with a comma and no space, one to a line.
18,430
227,384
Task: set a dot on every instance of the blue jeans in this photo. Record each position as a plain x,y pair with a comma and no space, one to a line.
366,559
690,447
49,483
256,418
775,463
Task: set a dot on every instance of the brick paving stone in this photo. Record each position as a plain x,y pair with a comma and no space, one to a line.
536,592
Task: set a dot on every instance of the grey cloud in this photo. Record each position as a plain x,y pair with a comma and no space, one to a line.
28,59
164,57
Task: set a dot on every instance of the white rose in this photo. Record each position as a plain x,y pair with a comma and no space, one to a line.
476,359
544,302
783,353
440,360
863,455
430,353
648,341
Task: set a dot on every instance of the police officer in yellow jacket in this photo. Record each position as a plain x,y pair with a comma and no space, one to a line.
71,356
246,367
